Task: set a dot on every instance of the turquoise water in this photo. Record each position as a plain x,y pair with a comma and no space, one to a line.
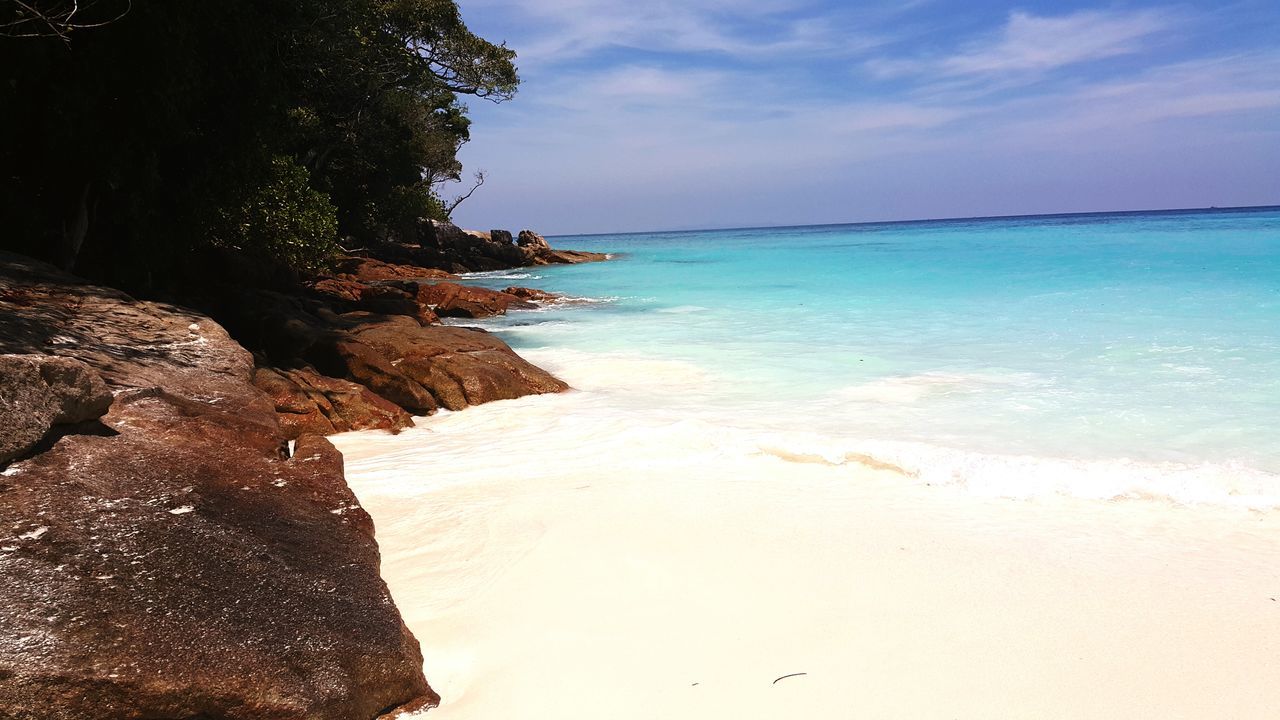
1143,343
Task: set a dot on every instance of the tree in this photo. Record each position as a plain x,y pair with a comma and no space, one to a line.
123,148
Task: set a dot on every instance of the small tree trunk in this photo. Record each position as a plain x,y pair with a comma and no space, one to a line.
73,238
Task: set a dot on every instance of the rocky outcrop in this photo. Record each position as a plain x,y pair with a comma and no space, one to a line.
181,563
474,251
533,242
466,301
367,270
446,247
39,392
532,294
310,403
543,254
459,366
341,355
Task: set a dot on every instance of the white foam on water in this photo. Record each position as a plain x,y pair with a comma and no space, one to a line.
632,543
668,405
503,274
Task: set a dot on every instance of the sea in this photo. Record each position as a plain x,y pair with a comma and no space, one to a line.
1112,356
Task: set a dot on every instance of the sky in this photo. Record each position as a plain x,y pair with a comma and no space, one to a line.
638,115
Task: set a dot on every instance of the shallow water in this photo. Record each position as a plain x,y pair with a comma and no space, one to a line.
1098,356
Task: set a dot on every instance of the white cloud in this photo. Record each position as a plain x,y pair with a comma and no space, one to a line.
559,30
599,138
1035,44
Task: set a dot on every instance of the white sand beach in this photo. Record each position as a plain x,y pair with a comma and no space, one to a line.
559,560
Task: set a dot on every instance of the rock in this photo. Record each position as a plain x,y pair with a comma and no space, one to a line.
533,241
38,392
340,290
384,298
464,301
460,366
368,270
185,566
447,248
475,251
341,355
570,257
532,294
310,403
543,254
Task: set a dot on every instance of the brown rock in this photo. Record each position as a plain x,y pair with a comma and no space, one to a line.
310,403
532,294
342,290
369,269
533,241
501,236
544,254
38,392
339,355
299,412
183,567
460,366
570,257
384,297
454,300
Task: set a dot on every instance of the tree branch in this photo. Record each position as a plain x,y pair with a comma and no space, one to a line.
448,209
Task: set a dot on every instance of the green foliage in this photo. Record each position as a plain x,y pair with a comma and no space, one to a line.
185,122
284,219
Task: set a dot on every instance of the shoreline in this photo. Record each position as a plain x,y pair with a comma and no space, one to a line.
685,584
183,541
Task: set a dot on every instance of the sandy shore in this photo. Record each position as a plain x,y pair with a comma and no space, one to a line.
556,567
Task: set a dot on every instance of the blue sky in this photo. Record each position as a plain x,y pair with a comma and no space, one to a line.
637,115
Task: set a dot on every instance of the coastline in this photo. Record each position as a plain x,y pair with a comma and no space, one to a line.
183,539
683,582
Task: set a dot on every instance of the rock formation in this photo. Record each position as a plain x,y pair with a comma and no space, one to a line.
38,392
178,561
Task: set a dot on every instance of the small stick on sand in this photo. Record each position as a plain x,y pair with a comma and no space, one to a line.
784,677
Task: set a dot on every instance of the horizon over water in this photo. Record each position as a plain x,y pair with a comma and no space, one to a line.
1132,354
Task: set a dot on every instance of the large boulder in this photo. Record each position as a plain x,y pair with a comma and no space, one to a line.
38,392
544,254
182,564
466,301
532,294
460,366
533,242
343,356
367,270
310,403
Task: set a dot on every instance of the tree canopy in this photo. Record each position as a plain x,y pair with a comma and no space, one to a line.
151,127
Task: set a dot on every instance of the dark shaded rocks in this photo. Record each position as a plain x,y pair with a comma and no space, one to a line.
459,366
38,392
446,247
465,301
310,403
184,565
474,251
